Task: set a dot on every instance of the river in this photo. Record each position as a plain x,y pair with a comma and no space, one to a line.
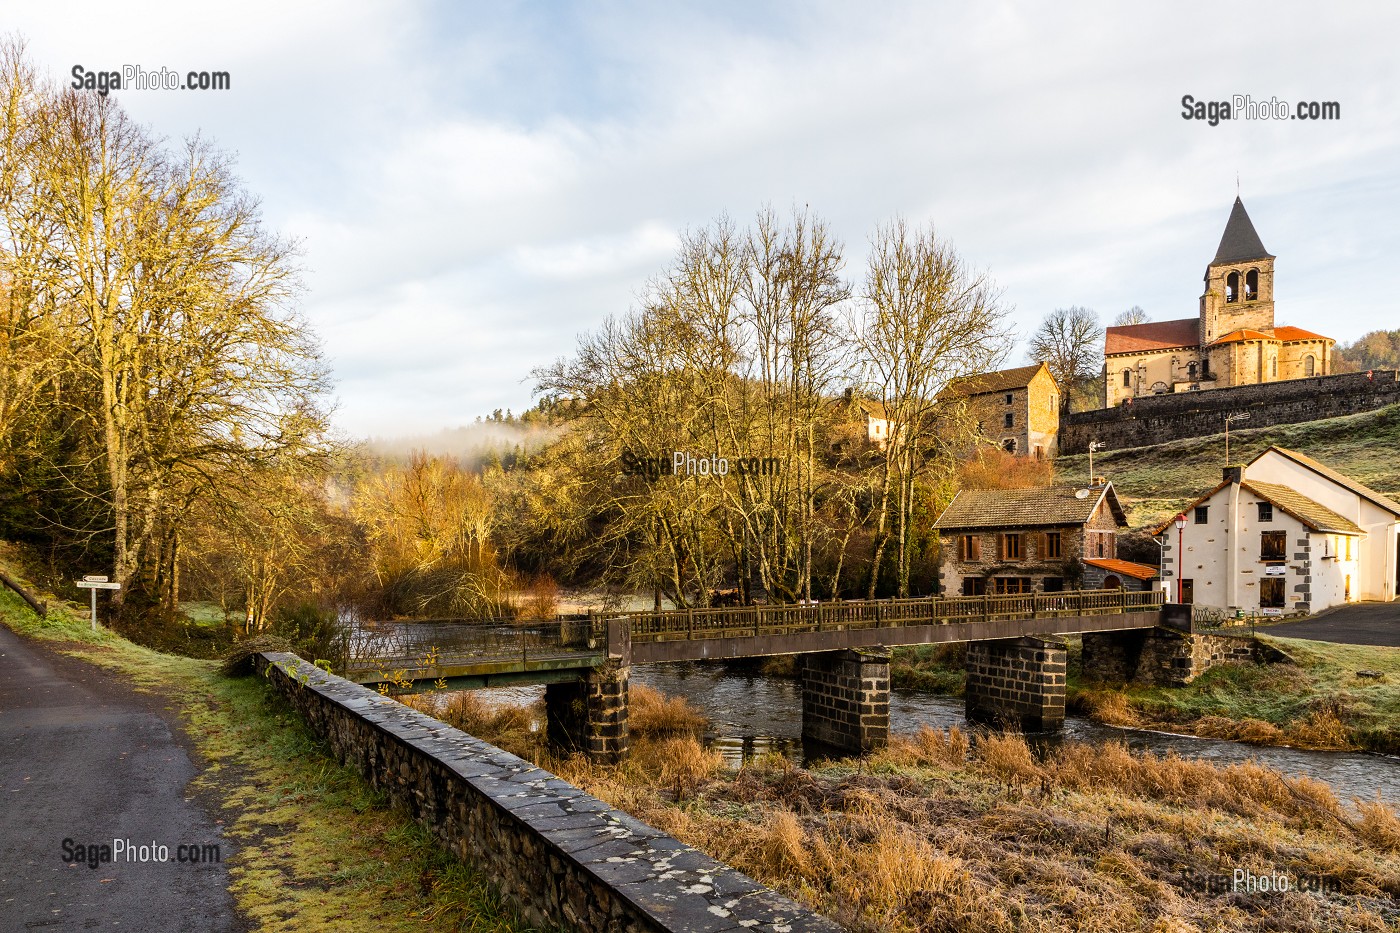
752,713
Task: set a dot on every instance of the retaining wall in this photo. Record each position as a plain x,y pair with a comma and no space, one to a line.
1155,419
564,858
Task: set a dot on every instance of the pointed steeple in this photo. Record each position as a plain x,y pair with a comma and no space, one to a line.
1240,242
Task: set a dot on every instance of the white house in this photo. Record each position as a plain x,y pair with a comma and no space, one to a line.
1284,533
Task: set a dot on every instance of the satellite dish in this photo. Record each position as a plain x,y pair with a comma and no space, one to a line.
1081,494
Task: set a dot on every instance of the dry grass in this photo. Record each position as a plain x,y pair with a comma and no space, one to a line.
651,714
1379,824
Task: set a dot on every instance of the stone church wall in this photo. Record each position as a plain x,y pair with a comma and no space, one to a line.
1156,419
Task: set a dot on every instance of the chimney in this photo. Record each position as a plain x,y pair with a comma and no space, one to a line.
1234,474
1098,481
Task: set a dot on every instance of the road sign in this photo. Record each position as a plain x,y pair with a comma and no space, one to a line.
95,582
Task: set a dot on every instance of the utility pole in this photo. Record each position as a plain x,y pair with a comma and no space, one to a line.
1093,446
1237,416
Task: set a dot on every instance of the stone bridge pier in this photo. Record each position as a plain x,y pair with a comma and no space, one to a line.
589,714
1017,683
846,699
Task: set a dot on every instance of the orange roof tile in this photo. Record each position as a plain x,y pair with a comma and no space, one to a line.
1297,333
1155,335
1235,336
1125,567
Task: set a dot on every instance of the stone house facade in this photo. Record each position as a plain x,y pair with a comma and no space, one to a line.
1016,409
1026,540
1232,341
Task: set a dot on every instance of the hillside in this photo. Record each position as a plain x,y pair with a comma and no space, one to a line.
1155,482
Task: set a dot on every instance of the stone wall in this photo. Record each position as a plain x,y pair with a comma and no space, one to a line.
1156,419
1017,682
1165,658
562,857
846,699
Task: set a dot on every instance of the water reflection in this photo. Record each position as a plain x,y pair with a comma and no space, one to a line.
751,714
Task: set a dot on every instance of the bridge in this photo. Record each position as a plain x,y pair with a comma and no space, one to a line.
1016,665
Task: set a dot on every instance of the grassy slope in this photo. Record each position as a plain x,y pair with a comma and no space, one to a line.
317,848
1156,482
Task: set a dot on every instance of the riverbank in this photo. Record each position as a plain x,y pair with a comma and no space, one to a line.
942,831
1318,702
314,847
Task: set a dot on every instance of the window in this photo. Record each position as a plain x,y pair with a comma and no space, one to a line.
1127,378
1271,593
1273,367
974,586
1009,398
969,547
1188,591
1273,545
1053,545
1309,366
1010,547
1010,420
1054,584
1039,452
1202,514
1014,585
1347,538
1266,512
1051,406
1232,287
1009,445
1251,285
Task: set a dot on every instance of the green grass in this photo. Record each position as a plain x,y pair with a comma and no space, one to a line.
1155,482
317,848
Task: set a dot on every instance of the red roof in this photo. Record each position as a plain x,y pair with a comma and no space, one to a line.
1155,335
1236,336
1125,567
1297,333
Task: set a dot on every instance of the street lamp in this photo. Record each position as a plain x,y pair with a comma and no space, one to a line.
1237,416
1093,446
1180,553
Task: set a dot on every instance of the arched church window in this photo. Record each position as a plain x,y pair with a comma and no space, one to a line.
1309,366
1232,287
1127,378
1251,285
1191,370
1273,367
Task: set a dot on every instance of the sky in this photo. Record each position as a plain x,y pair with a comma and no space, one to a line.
475,184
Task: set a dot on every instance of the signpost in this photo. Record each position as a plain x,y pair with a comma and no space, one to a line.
95,583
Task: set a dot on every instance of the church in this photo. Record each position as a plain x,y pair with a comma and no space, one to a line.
1233,341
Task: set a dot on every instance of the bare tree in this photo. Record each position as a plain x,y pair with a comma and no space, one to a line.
1070,342
925,319
1134,315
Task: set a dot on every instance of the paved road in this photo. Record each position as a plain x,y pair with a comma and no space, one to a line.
1358,624
86,758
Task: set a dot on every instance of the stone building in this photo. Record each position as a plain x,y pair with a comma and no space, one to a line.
1231,342
1284,534
1026,540
1017,409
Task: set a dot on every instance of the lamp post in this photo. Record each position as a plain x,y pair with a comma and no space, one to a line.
1237,416
1093,446
1180,553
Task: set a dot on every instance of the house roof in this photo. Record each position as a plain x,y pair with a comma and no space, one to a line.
1125,567
1154,335
1313,514
1385,502
1240,241
999,381
873,408
1027,508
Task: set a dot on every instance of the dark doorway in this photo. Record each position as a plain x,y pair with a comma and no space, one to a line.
1188,591
1271,593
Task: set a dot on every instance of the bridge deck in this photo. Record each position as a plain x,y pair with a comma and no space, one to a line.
540,653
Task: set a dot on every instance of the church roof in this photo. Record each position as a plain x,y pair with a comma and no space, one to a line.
1155,335
1240,241
1235,336
1274,333
1297,333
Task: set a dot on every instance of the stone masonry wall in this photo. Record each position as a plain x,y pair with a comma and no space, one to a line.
1155,419
564,858
846,699
589,715
1163,657
1018,681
